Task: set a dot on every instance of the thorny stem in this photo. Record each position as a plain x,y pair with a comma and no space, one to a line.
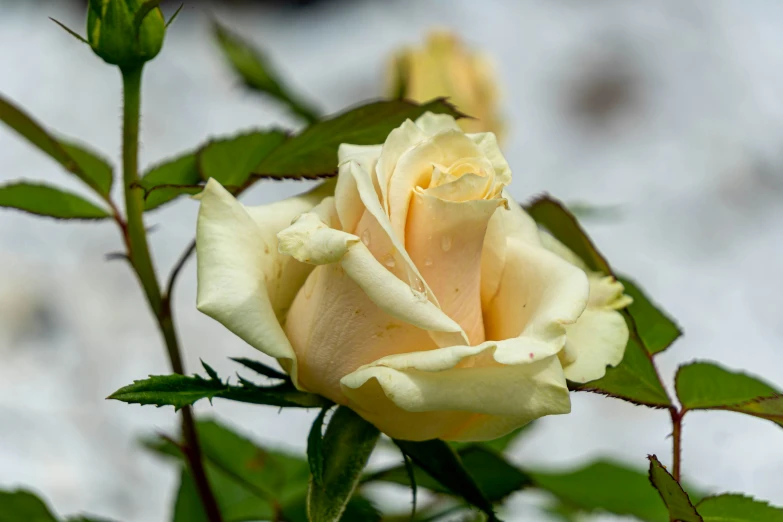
139,255
677,416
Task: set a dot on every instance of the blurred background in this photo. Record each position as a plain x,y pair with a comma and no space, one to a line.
670,112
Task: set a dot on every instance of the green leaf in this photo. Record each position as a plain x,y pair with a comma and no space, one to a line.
86,165
605,486
347,444
249,482
499,445
21,505
553,215
443,464
231,160
260,368
656,329
256,72
313,153
633,380
169,180
44,200
180,390
674,497
494,476
315,448
707,386
738,508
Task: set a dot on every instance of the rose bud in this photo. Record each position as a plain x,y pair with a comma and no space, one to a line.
117,34
445,67
415,291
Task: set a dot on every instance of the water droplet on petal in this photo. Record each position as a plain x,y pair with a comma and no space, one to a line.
445,243
389,261
366,237
427,261
417,286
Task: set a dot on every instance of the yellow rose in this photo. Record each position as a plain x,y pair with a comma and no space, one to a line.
444,67
419,293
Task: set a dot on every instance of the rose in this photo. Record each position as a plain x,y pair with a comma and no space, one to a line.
419,294
445,67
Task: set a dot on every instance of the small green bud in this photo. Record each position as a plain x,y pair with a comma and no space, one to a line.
126,33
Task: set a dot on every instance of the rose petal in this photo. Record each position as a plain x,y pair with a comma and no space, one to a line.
433,124
243,282
596,340
538,295
510,222
349,205
414,168
441,393
310,240
445,240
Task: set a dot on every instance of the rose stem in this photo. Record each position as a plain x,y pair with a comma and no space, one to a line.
139,255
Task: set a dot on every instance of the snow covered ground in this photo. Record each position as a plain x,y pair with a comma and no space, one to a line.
670,109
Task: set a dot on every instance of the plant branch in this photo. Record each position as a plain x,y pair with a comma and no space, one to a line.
139,255
677,416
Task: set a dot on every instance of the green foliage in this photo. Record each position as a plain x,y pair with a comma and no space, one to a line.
260,368
19,505
126,33
704,385
312,154
674,497
656,329
737,508
315,448
231,160
555,217
444,465
84,164
169,180
44,200
605,486
238,161
347,444
181,390
633,380
495,477
256,72
499,445
250,482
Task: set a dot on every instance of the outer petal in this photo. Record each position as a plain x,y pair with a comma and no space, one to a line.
433,124
242,281
539,294
458,393
600,335
596,340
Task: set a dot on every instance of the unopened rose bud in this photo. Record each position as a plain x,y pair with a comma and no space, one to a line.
124,32
445,67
